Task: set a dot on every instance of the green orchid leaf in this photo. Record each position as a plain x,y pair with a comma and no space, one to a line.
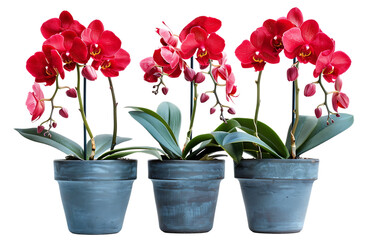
171,114
129,151
229,126
323,132
266,134
158,117
234,149
56,140
102,143
159,131
106,155
227,139
304,128
194,142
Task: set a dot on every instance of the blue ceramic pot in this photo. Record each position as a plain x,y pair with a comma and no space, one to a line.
186,193
95,194
276,192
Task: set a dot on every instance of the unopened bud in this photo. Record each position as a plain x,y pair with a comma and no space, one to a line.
338,84
165,90
231,111
204,97
292,74
89,73
189,74
310,90
318,112
40,129
54,124
64,113
199,78
212,110
71,93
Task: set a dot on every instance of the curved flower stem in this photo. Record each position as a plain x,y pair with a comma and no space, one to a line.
193,114
218,102
255,120
295,111
325,98
52,104
84,117
114,114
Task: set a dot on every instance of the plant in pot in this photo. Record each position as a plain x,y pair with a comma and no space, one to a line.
95,184
185,184
276,184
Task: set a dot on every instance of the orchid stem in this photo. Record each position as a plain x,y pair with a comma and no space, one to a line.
295,114
114,114
255,121
193,114
215,93
84,117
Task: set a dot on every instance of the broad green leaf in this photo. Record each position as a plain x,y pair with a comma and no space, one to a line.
229,126
266,134
234,149
304,128
123,154
56,140
102,143
136,149
323,132
171,114
158,117
226,139
194,142
159,131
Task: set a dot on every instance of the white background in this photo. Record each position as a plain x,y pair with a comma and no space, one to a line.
30,205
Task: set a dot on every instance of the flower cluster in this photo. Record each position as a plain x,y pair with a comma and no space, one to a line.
304,42
70,45
198,38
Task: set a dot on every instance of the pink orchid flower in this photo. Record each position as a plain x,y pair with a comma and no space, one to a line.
34,102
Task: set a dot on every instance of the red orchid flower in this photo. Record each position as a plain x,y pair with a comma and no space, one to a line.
45,68
71,48
167,37
34,102
170,59
200,35
295,16
274,30
339,99
102,43
256,52
331,64
306,42
58,25
152,72
110,67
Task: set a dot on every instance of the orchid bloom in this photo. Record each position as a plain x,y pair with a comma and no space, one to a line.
71,48
152,72
295,16
256,52
58,25
111,67
170,60
102,43
167,37
332,64
199,35
45,69
306,43
34,102
339,99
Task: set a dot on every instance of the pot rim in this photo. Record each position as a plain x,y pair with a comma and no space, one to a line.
186,169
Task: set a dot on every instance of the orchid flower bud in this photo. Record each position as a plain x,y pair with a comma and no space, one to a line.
199,77
165,90
40,129
71,93
292,73
318,112
89,73
189,74
64,113
54,124
204,97
338,84
310,90
231,111
212,110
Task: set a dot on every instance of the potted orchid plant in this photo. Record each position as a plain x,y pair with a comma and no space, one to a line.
276,184
95,194
185,186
